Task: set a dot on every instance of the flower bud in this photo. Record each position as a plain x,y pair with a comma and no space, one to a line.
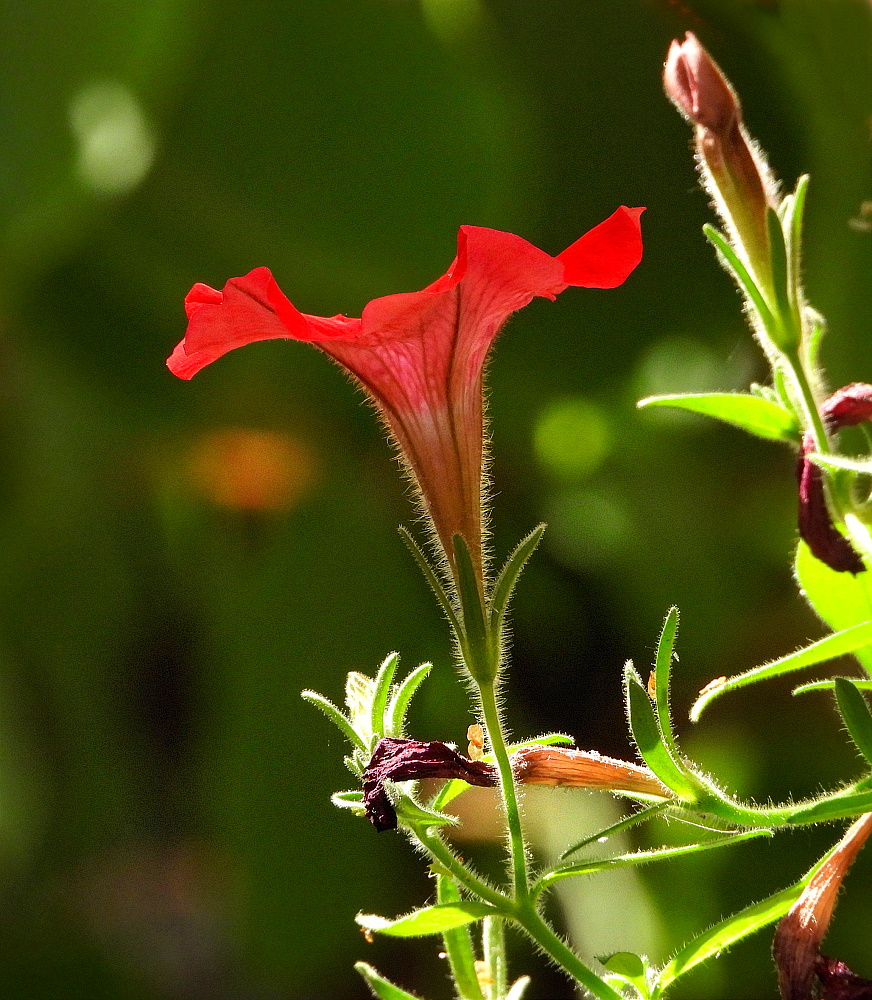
735,173
796,948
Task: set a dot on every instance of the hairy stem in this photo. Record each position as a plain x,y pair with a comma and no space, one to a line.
517,849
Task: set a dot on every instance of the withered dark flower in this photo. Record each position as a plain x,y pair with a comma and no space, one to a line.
839,983
846,408
406,760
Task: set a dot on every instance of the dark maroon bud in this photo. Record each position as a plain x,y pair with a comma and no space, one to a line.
848,407
406,760
839,983
816,527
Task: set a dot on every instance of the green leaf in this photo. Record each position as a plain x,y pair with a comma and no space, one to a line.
381,689
646,733
742,277
458,944
348,800
855,712
726,933
829,684
518,988
629,968
508,578
414,814
847,641
844,805
335,716
381,987
863,465
475,635
592,865
649,812
395,719
431,577
762,417
493,945
662,672
841,599
788,338
434,919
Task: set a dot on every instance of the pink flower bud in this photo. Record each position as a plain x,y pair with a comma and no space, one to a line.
734,172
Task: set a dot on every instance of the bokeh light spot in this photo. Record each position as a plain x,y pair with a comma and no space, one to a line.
115,143
452,20
587,528
251,470
572,437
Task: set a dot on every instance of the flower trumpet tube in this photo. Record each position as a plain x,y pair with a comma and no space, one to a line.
420,356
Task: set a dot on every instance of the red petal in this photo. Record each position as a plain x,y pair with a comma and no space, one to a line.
248,309
605,257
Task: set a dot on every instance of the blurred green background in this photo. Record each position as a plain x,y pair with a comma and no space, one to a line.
180,560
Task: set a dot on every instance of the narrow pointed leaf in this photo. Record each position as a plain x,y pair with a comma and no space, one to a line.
383,680
726,933
431,577
843,806
508,578
413,813
399,703
855,712
828,685
335,716
662,674
458,945
348,800
382,988
649,812
740,274
789,335
475,636
430,920
863,465
518,988
761,417
646,733
847,641
493,944
592,865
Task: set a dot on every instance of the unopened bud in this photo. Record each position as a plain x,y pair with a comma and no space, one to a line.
735,173
848,407
798,938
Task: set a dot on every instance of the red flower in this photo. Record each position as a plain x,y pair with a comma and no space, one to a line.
420,355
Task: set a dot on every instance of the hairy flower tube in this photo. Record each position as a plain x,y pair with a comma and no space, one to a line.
420,355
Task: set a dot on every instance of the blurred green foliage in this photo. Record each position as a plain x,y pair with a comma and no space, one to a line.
179,560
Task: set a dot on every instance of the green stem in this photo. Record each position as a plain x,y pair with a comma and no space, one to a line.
809,404
448,860
556,949
517,850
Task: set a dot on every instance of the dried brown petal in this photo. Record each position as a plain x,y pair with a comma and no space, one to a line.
405,760
584,769
796,947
